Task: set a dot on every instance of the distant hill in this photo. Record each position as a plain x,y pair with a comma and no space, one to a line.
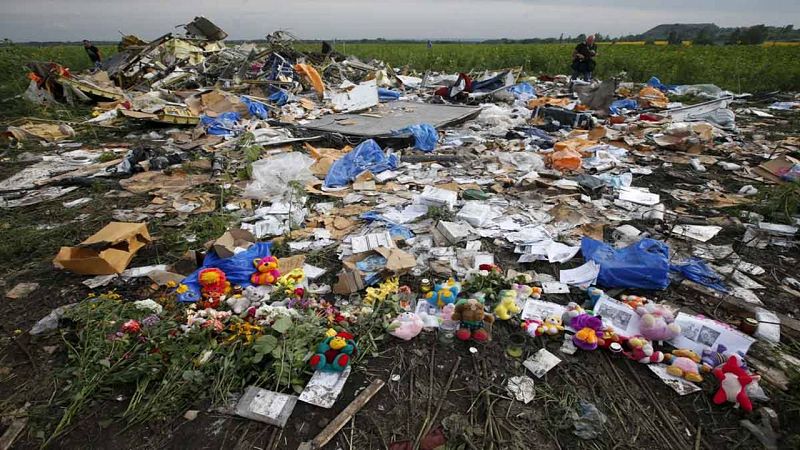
684,30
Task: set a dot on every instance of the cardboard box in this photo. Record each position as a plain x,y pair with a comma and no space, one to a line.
106,252
226,244
351,279
774,168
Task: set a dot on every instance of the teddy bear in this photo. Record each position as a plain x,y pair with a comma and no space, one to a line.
588,329
508,305
733,381
684,364
552,326
572,311
641,350
657,322
213,286
609,336
444,293
475,322
334,353
267,272
406,326
238,303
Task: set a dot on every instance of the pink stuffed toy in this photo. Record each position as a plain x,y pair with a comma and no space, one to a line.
406,326
642,351
266,271
657,322
733,381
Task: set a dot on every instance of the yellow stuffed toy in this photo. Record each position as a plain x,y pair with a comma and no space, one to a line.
507,306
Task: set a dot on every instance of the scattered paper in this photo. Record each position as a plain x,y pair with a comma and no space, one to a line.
541,363
521,388
554,287
700,233
624,319
541,309
312,272
700,333
22,290
369,242
324,388
639,197
679,385
584,275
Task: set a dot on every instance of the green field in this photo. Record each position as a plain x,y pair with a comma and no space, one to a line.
738,68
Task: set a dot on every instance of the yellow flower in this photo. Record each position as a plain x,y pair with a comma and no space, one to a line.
171,284
330,333
182,289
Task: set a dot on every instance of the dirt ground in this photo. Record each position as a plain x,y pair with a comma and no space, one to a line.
476,412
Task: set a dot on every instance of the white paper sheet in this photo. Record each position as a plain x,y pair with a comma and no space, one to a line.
639,197
700,333
554,287
583,275
621,316
541,309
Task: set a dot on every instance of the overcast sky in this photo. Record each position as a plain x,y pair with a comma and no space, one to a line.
57,20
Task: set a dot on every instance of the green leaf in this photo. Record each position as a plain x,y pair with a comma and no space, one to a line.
265,344
282,325
105,363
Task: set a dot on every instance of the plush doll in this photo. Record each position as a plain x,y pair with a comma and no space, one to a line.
406,326
588,329
444,293
524,292
266,271
608,337
447,312
572,311
532,326
238,303
475,322
552,326
733,381
289,280
641,350
634,301
657,322
507,306
718,357
684,364
594,294
213,286
334,353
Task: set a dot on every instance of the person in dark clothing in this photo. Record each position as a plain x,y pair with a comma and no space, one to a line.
93,52
583,63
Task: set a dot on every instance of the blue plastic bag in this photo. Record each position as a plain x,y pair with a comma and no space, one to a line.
697,270
222,125
425,136
279,97
643,265
367,156
387,95
256,109
237,268
618,105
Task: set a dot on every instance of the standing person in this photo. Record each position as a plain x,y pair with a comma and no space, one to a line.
583,63
93,52
430,44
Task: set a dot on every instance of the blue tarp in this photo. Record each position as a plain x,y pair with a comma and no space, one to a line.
256,109
697,270
425,136
643,265
656,83
237,268
279,97
618,105
523,91
222,125
367,156
387,95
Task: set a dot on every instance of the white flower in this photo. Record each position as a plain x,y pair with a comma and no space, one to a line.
148,305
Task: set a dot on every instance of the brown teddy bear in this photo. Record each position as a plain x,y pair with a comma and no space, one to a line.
475,322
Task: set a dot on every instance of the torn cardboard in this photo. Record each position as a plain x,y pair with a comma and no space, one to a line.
106,252
227,244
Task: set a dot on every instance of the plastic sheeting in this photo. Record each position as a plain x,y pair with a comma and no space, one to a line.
643,265
425,136
256,109
224,124
697,270
627,103
367,156
387,95
271,176
237,268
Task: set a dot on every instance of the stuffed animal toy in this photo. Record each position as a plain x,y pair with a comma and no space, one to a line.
588,329
531,327
524,292
238,303
634,301
213,286
267,272
447,312
406,326
507,306
594,294
334,353
718,357
475,322
552,326
572,311
608,337
289,280
684,364
444,293
641,350
657,322
733,381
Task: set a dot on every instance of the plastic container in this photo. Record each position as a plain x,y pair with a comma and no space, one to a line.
447,331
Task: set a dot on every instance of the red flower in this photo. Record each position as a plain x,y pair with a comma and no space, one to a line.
489,267
131,327
299,292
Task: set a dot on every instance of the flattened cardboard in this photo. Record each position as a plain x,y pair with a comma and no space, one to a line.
772,169
106,252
